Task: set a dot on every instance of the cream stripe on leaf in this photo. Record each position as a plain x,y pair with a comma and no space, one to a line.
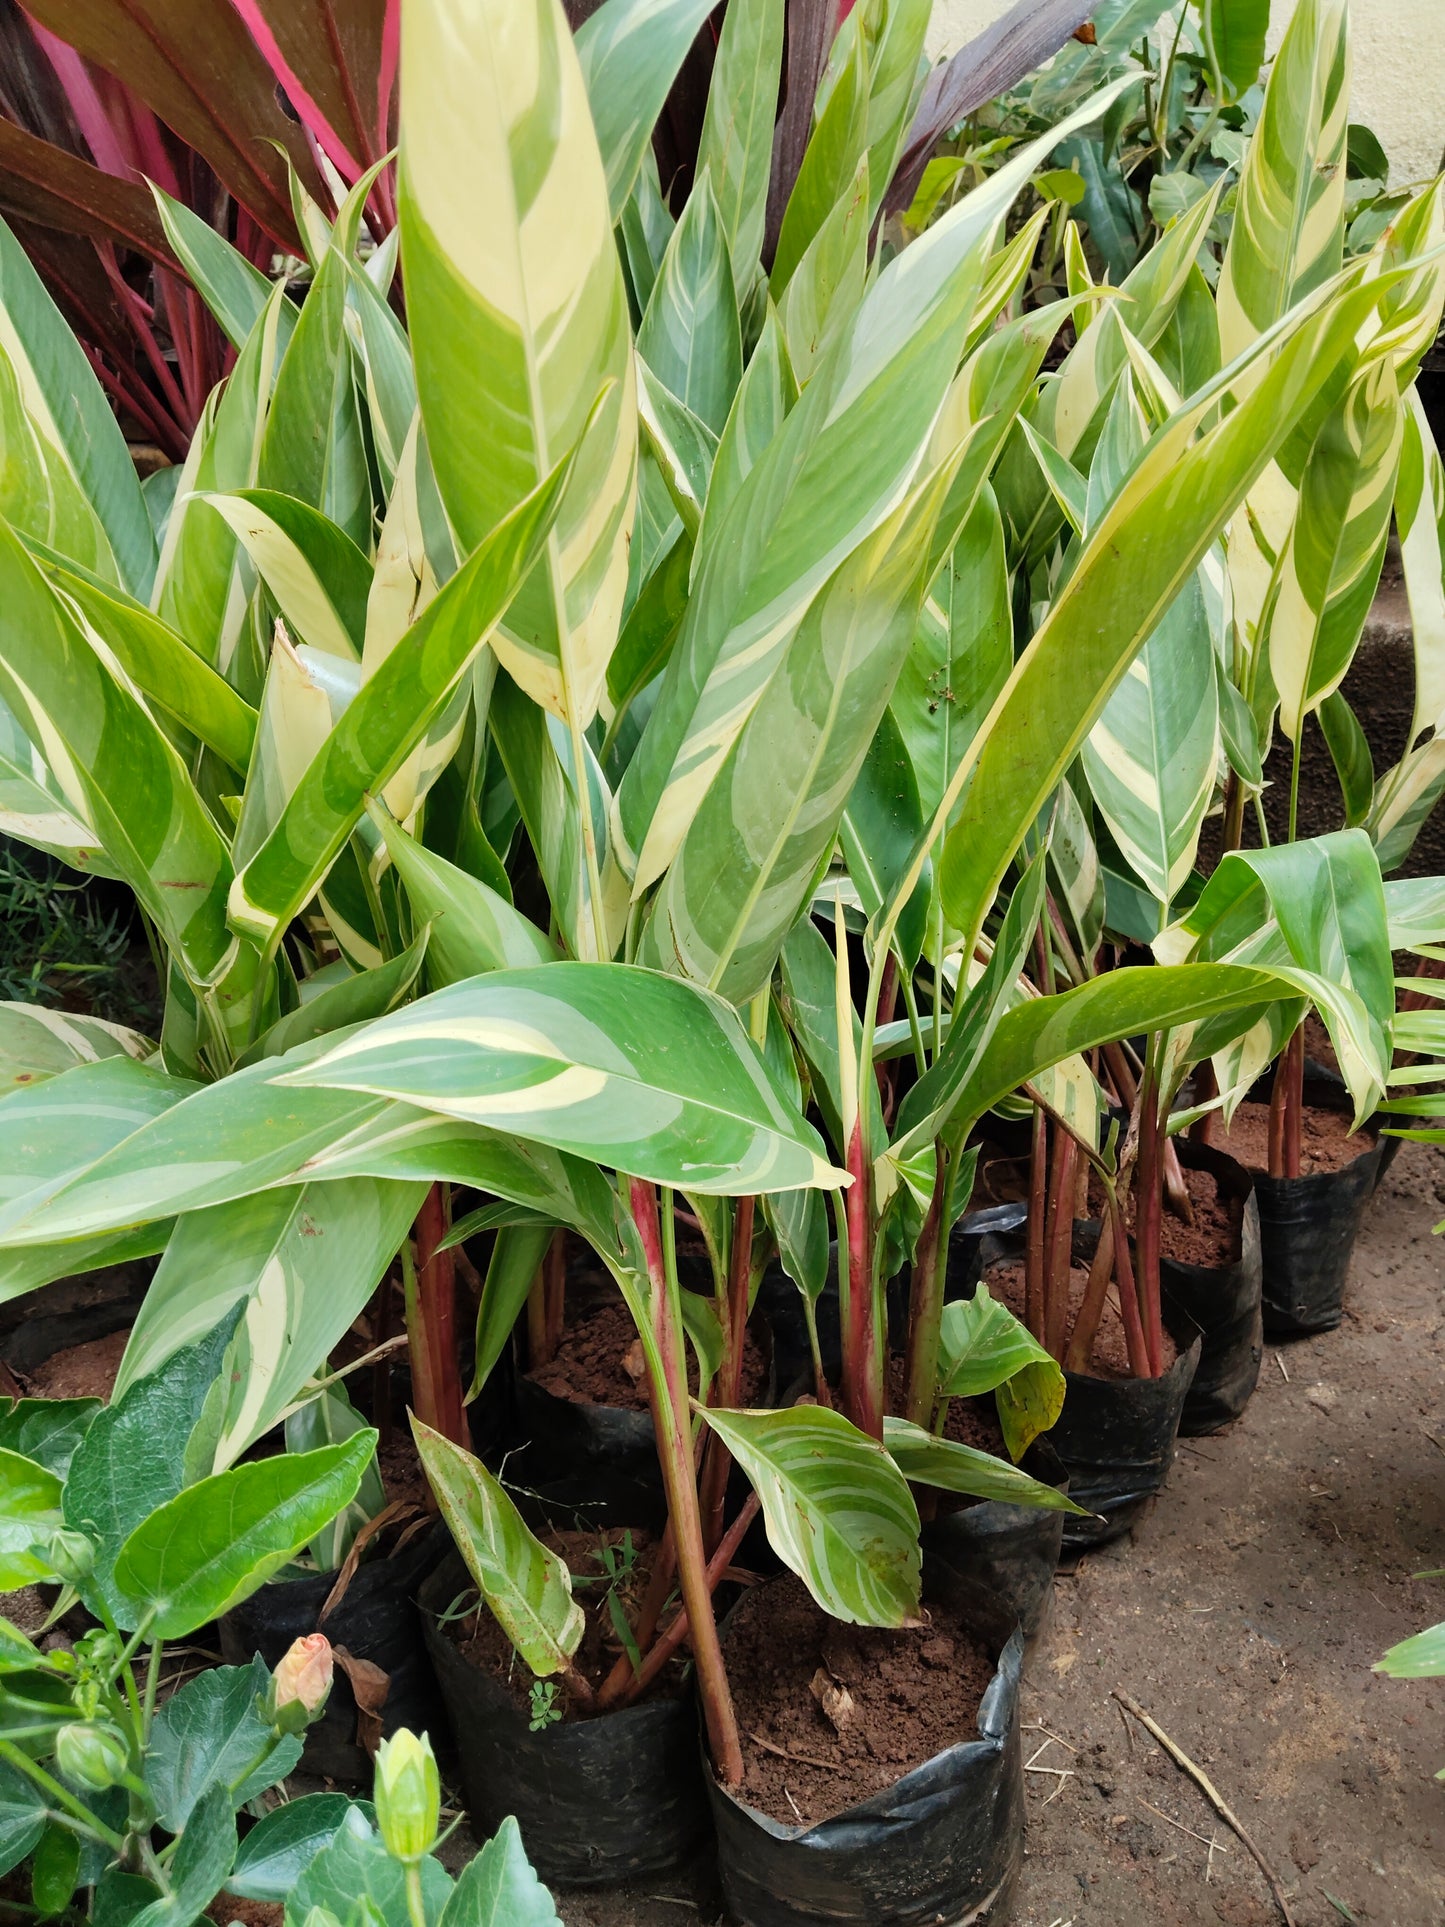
519,318
690,336
630,53
37,1043
737,128
34,809
317,574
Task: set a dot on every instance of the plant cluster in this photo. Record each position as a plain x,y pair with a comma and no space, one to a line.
697,720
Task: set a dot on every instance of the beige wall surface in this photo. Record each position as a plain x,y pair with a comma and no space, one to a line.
1399,70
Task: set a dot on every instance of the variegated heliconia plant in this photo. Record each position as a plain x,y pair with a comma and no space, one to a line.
483,709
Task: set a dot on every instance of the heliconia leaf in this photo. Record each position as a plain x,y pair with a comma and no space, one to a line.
36,1043
630,52
984,1348
160,663
386,718
833,472
69,412
606,1061
304,1262
233,289
1288,232
1159,527
691,336
472,927
839,141
880,824
1328,574
737,128
39,495
313,447
747,862
218,1541
837,1509
319,577
1234,33
828,282
680,443
527,1588
519,318
895,86
949,1466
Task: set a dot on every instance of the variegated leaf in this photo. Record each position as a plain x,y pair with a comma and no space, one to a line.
737,129
319,577
630,53
691,336
949,1466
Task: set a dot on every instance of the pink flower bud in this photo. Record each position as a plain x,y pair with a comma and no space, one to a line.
303,1678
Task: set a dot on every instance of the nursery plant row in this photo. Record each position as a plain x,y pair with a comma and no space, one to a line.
687,734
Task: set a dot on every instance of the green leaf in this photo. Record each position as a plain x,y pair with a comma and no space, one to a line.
516,1254
690,335
472,927
132,1457
213,1544
838,142
202,1860
630,52
1234,34
56,1869
951,1467
235,292
327,1419
351,997
356,1880
879,828
984,1348
208,1734
1350,754
499,1889
318,575
47,1430
1421,1656
313,447
528,1588
280,1847
737,128
22,1816
607,1061
29,1513
838,1512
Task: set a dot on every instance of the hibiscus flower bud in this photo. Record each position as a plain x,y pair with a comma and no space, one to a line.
92,1757
408,1795
301,1683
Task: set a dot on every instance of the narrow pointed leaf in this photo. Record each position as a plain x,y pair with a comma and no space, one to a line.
949,1466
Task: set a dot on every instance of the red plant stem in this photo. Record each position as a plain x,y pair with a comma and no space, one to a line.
925,1307
537,1353
1080,1347
659,1586
381,1370
1278,1104
886,1073
1034,1241
1148,1200
862,1354
679,1477
680,1627
436,1309
728,1389
1062,1173
554,1290
1295,1103
1126,1087
1128,1295
1206,1087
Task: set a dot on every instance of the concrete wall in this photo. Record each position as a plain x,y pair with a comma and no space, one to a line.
1399,77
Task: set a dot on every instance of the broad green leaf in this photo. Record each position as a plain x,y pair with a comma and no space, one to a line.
209,1733
23,1816
690,335
70,413
34,809
29,1513
984,1348
737,128
318,575
39,495
327,1419
825,482
213,1544
747,862
838,1511
1234,32
828,283
29,1268
303,1260
1350,753
519,318
499,1889
349,997
607,1061
358,1883
895,86
386,719
516,1254
1421,1656
1288,231
1330,569
1159,527
36,1043
202,1860
313,447
280,1847
235,292
630,52
878,829
115,767
132,1458
472,927
948,1466
528,1588
47,1429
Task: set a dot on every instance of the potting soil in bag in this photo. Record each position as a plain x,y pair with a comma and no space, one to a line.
1222,1301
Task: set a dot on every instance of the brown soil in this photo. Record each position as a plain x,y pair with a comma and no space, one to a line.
401,1475
912,1694
84,1371
970,1421
1213,1238
1110,1357
250,1913
1326,1142
600,1362
484,1643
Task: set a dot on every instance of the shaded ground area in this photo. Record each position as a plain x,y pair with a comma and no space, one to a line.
1244,1617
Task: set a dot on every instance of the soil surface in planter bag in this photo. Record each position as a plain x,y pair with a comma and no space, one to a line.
1110,1356
853,1708
486,1646
600,1362
81,1371
1326,1140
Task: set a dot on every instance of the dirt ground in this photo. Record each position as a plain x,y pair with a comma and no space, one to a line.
1244,1617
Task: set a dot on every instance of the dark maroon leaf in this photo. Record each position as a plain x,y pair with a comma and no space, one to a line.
995,60
45,184
334,49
